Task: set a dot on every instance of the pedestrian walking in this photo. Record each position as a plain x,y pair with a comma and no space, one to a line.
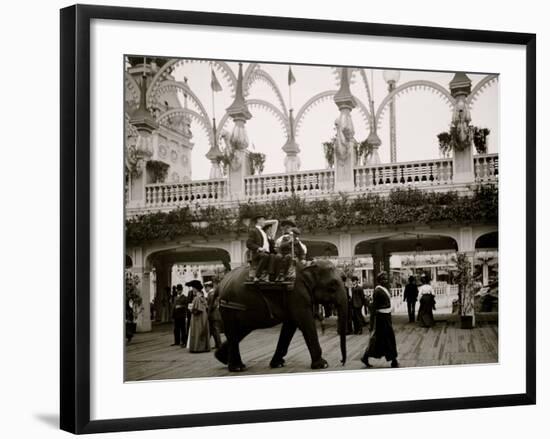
199,333
357,304
411,296
382,342
427,303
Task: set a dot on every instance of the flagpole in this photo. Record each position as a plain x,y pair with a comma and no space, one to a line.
290,96
289,88
213,110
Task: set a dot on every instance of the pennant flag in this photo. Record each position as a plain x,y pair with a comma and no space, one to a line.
214,83
291,78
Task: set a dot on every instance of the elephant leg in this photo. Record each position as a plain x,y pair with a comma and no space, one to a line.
307,326
222,353
285,337
235,363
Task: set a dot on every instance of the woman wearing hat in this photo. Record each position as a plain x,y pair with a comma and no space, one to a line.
199,334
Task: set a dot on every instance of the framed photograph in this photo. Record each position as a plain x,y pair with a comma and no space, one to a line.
274,218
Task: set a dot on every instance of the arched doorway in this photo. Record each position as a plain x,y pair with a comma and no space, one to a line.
179,265
405,254
486,258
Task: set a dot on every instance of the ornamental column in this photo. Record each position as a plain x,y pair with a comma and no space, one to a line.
139,147
144,313
291,148
345,132
463,158
238,141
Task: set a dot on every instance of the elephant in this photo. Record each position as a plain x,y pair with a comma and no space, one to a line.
247,306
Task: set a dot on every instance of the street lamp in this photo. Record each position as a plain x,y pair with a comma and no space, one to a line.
392,77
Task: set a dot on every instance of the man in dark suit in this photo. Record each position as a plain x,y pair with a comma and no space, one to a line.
258,245
410,296
357,303
179,315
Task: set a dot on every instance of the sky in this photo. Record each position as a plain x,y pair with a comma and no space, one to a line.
420,114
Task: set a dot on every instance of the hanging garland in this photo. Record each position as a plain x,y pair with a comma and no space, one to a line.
401,206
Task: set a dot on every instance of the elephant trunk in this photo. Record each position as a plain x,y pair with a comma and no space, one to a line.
342,328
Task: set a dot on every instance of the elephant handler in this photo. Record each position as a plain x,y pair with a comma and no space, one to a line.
287,246
382,341
258,245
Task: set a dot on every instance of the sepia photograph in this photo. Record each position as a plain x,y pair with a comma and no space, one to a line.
295,218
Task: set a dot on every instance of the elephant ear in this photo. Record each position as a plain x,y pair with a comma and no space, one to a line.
309,276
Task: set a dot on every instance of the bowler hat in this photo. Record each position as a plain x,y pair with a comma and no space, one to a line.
295,230
194,284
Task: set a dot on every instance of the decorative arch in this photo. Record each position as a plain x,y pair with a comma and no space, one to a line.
204,123
280,116
261,75
167,85
358,239
220,66
323,96
247,76
490,234
173,253
414,85
486,82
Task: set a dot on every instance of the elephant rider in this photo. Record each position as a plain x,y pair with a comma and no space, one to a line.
287,246
258,245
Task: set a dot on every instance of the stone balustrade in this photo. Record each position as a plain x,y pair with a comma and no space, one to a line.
445,294
176,194
486,168
265,187
393,175
422,174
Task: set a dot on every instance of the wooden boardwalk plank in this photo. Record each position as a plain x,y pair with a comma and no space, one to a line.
150,357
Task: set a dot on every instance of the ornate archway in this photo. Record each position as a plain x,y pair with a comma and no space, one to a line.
414,86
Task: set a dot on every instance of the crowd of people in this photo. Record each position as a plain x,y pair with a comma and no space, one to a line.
197,317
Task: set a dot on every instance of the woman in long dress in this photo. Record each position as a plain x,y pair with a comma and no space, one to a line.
199,333
427,303
382,342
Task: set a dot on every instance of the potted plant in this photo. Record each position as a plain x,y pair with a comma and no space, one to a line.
157,171
256,161
465,291
328,149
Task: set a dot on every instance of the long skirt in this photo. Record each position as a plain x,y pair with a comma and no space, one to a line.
425,311
199,333
382,342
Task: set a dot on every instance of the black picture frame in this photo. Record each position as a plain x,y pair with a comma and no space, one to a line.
75,217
